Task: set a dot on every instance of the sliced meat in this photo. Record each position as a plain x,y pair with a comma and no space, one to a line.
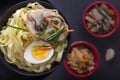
35,18
54,18
35,5
61,22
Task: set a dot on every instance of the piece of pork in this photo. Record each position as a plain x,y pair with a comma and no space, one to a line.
61,22
36,18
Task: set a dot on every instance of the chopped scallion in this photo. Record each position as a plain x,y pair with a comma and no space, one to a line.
15,27
55,22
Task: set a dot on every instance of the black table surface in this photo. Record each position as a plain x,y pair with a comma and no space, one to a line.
73,11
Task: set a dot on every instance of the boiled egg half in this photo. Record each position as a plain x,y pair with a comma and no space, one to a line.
38,52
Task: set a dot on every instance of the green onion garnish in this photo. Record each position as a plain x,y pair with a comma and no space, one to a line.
15,27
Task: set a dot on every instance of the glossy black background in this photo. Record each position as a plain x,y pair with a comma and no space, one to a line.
73,11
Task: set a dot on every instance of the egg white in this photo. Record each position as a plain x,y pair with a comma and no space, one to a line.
28,53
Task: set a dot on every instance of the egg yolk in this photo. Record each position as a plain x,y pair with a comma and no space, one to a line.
38,53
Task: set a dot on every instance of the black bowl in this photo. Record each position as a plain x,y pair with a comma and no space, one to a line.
3,22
